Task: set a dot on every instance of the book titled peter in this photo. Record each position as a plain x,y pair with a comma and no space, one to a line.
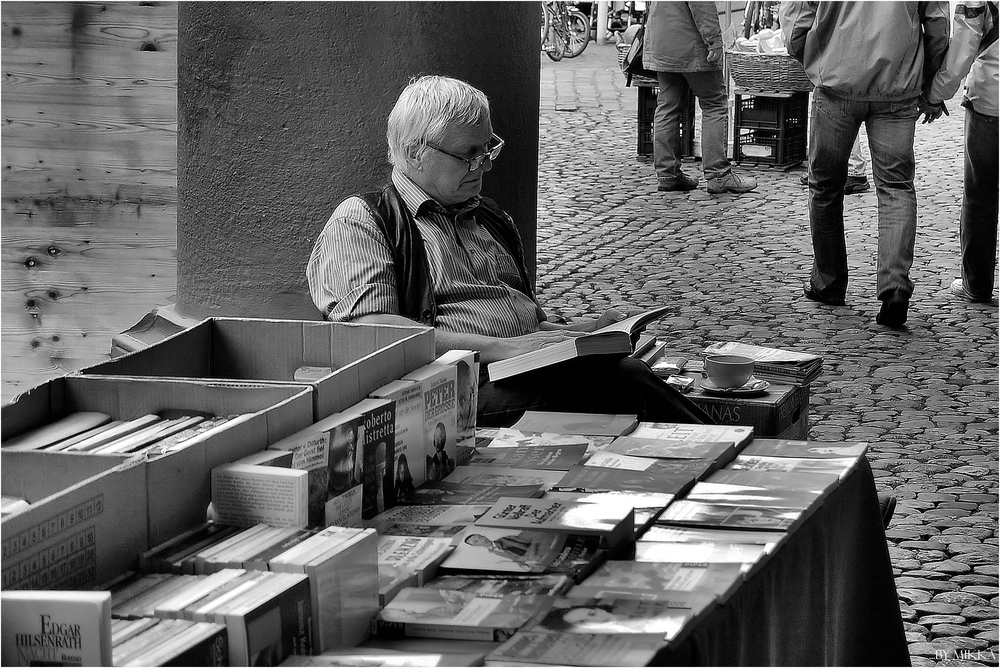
616,338
612,523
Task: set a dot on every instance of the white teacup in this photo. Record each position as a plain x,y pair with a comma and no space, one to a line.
728,371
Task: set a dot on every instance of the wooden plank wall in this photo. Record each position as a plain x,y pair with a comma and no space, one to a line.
89,179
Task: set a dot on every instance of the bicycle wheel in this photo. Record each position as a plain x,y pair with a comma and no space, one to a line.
577,33
546,24
552,45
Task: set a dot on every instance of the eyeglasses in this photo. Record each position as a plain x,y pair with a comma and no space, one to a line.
492,152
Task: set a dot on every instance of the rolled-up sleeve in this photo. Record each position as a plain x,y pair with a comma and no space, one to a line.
350,270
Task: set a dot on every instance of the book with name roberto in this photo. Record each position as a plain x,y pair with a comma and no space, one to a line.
408,466
498,585
55,628
579,424
445,613
551,457
696,513
547,648
614,339
613,524
491,550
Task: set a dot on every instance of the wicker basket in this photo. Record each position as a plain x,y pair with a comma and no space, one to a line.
636,81
767,72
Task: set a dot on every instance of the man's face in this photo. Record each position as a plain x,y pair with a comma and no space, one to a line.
448,179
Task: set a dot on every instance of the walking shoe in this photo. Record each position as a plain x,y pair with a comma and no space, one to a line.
886,506
811,293
804,179
731,183
893,311
682,182
957,288
856,185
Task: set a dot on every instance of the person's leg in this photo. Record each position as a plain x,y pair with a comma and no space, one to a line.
586,385
835,124
857,166
710,89
891,128
667,127
979,205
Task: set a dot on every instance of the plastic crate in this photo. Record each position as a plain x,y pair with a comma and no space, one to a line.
769,147
646,111
773,113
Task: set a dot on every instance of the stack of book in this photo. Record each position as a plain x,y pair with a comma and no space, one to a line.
98,434
782,366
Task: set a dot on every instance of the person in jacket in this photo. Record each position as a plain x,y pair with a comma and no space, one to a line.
682,43
973,52
870,62
428,249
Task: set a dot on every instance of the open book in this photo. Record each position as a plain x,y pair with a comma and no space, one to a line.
612,339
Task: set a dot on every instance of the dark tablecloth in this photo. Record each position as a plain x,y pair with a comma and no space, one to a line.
827,596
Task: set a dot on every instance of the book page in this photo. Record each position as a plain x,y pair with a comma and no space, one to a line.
759,353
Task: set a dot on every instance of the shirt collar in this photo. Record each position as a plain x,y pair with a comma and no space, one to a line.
417,201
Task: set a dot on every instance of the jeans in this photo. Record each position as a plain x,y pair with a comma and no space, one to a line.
596,384
890,127
710,89
979,204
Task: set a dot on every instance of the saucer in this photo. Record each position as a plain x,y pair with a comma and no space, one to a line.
752,387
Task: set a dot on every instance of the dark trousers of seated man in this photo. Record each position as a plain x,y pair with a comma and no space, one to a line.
586,385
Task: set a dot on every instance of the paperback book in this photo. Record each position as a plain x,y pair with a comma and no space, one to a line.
380,656
753,495
646,506
665,448
577,649
504,475
695,513
839,466
576,614
682,582
666,533
508,437
817,483
551,457
750,556
438,387
446,613
377,448
444,492
616,338
407,561
696,468
738,436
779,447
485,549
784,366
580,424
245,495
498,585
408,468
466,363
55,628
601,479
613,524
458,514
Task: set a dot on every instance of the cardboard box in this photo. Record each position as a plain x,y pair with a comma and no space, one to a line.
177,487
783,412
363,357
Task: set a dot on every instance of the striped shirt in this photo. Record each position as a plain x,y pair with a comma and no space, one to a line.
475,280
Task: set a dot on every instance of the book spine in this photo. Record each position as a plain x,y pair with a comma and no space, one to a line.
442,631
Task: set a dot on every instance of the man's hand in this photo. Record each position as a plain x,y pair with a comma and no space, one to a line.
609,317
715,55
931,111
526,343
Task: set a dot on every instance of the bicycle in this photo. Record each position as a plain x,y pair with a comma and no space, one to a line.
565,30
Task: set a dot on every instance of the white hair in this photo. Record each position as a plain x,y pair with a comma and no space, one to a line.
426,108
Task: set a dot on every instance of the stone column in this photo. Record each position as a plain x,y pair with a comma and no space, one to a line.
281,114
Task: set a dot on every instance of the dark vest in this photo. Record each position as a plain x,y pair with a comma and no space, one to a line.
413,281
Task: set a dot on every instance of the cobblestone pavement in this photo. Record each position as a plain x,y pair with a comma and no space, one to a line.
925,398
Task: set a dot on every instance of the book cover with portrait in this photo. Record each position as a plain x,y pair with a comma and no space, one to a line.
438,388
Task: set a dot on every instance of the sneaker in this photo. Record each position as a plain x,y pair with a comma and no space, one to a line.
893,311
856,185
958,289
682,182
731,183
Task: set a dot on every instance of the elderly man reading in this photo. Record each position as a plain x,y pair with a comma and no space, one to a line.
427,248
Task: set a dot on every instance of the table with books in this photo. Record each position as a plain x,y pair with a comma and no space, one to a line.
394,531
